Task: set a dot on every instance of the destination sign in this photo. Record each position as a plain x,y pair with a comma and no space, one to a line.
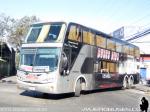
107,54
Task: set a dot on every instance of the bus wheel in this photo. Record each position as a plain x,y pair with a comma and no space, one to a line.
125,83
131,81
78,89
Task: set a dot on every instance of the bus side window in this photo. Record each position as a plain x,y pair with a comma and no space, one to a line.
71,54
137,52
111,45
88,66
126,49
132,51
118,47
100,41
102,65
108,67
88,37
75,33
74,54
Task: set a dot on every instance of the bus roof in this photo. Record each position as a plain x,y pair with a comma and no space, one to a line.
92,29
44,23
106,35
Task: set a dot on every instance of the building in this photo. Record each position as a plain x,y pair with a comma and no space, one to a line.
7,59
141,38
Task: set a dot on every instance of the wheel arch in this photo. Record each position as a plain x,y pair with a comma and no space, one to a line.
83,79
131,76
131,81
125,77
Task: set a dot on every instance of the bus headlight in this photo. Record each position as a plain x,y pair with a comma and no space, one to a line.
20,75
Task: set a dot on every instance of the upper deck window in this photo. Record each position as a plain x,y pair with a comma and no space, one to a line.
111,45
53,33
75,33
46,33
88,37
100,41
34,33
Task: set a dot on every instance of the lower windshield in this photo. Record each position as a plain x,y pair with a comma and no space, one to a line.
45,58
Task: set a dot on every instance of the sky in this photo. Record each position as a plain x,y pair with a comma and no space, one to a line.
104,15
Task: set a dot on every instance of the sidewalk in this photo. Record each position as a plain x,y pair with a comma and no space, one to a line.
144,88
11,79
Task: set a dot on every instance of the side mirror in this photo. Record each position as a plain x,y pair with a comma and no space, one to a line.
64,64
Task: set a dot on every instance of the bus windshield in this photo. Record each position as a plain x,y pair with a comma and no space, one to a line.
40,58
45,33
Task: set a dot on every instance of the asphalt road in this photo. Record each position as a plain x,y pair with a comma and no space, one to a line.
12,98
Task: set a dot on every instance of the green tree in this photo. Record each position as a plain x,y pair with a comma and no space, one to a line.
6,24
19,30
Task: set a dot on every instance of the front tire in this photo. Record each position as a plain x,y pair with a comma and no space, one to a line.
78,89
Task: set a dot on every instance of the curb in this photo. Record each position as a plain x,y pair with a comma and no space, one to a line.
8,81
142,88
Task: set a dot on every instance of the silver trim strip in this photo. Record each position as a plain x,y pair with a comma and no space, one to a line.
34,45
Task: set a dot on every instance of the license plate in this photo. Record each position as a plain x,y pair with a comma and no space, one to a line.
31,77
31,88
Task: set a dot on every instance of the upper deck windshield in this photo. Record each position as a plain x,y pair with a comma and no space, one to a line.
40,58
52,32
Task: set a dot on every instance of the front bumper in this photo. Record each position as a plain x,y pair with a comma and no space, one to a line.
45,88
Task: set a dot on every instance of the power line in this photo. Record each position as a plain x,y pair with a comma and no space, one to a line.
141,34
141,42
137,21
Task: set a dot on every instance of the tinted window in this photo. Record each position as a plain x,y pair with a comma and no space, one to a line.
88,37
118,47
100,41
53,33
34,33
46,33
75,33
111,45
88,66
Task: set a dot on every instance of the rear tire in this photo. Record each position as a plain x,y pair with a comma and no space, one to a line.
125,83
78,89
131,81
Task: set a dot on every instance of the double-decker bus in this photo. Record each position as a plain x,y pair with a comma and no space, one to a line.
60,57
